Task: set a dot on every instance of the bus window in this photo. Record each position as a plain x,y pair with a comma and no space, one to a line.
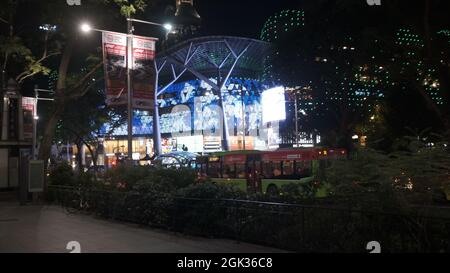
214,170
288,168
277,169
229,171
240,171
267,170
304,169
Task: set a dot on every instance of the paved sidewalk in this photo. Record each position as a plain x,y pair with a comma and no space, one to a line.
48,229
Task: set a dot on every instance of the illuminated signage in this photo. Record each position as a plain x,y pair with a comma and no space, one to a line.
273,105
214,159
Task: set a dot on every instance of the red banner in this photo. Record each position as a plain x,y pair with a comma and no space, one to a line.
29,111
115,59
143,73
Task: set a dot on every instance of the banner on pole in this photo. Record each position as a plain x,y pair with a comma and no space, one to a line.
29,112
114,60
143,74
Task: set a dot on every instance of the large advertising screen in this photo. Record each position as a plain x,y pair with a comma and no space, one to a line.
273,103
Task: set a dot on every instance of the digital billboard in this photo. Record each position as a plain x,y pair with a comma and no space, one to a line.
273,105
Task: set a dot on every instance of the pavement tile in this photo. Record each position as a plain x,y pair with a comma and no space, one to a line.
48,229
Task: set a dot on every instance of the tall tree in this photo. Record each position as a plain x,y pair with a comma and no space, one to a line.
67,91
18,60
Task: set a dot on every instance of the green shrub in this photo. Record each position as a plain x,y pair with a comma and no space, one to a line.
211,191
62,175
295,191
208,215
149,202
125,177
176,178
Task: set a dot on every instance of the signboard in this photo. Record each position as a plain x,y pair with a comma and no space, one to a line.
36,176
143,74
114,60
4,153
29,111
235,159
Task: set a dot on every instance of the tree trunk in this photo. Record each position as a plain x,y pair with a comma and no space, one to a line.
49,132
79,145
93,155
94,160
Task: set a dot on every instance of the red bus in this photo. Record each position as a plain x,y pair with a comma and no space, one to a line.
268,172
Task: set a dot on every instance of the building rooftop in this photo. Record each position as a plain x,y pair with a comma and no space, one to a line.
207,55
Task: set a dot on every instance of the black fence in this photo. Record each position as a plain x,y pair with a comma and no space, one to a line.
299,228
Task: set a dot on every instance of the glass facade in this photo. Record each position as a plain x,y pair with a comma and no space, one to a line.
191,116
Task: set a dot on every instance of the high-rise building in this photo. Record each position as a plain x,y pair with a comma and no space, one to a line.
275,30
411,44
281,23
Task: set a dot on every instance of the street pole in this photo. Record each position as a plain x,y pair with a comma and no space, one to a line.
129,87
36,116
156,123
130,67
36,98
243,117
296,121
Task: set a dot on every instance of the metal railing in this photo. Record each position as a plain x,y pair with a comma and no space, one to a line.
301,228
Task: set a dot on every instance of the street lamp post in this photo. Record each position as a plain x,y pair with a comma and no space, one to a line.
130,66
156,125
36,116
296,120
243,117
129,62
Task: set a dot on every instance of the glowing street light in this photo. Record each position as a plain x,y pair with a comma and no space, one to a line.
86,28
168,27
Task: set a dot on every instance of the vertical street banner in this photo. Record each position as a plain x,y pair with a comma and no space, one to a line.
115,66
29,111
143,73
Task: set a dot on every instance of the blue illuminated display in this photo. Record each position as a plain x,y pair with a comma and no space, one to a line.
195,94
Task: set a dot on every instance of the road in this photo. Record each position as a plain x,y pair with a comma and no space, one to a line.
48,229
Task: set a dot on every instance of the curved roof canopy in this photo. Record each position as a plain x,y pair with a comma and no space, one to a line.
213,57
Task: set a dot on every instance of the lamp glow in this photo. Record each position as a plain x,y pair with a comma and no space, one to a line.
86,28
168,27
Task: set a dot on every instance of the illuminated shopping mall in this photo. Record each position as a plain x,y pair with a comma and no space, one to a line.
211,96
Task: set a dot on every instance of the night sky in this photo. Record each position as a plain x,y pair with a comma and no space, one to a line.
238,17
227,17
